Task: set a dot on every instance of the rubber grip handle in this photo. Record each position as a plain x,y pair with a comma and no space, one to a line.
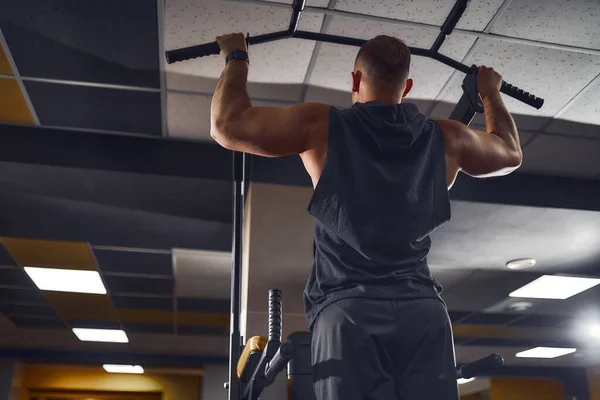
522,95
479,367
187,53
280,360
275,315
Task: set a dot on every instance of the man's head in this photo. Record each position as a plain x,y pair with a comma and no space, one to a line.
381,71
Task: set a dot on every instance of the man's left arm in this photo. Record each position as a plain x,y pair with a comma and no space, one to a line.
265,131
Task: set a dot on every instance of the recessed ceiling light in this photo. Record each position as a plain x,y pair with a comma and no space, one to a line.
555,287
101,335
520,306
545,352
66,280
521,263
594,330
123,369
462,381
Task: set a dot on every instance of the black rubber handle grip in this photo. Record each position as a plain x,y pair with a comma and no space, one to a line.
275,315
280,360
187,53
479,367
522,95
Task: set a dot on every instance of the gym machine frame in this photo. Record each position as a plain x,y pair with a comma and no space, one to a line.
276,355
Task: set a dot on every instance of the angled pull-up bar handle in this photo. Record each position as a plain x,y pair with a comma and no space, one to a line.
450,23
297,7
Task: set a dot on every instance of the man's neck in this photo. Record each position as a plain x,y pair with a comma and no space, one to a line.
383,98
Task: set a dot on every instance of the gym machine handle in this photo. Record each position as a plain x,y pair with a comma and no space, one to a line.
522,95
274,315
479,367
187,53
279,361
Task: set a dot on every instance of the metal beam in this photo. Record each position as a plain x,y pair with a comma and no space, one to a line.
147,155
137,154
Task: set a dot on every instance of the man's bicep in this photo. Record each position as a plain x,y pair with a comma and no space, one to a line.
479,154
277,132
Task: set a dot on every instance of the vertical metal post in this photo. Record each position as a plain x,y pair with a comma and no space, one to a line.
235,344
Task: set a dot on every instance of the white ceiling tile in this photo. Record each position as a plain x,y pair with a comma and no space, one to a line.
562,156
335,62
573,22
557,76
312,3
476,17
188,116
190,22
585,111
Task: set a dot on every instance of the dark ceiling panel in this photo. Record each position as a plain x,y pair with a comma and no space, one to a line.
134,262
110,41
96,108
5,258
203,305
143,303
201,330
15,277
119,284
41,323
148,328
490,319
546,321
34,216
456,316
75,323
39,309
21,295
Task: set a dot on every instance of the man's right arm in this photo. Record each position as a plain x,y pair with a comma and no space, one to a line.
496,152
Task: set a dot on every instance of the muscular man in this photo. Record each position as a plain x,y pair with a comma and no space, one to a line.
381,173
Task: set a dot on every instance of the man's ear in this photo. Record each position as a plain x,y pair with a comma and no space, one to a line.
356,76
409,85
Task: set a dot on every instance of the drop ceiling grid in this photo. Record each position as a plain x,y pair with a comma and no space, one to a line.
190,22
555,75
335,62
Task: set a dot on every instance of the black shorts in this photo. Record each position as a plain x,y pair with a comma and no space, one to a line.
383,350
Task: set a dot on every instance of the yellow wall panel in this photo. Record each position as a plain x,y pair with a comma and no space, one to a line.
50,253
4,64
48,377
526,389
13,107
82,306
594,383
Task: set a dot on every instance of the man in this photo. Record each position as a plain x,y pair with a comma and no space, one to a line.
381,174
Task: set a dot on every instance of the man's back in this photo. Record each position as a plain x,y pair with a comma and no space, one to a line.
381,192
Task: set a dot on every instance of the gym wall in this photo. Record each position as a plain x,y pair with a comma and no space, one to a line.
173,387
594,383
526,389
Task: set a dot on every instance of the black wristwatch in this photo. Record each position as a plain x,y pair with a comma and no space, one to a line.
237,55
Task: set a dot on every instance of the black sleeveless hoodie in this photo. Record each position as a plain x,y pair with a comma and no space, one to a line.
381,193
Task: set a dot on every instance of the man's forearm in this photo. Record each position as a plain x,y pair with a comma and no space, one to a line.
499,122
231,98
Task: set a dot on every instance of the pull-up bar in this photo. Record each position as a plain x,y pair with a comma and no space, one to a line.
446,29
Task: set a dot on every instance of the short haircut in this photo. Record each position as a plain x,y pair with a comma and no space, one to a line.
386,60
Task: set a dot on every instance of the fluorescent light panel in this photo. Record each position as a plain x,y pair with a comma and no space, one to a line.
123,369
545,352
101,335
66,280
462,381
555,287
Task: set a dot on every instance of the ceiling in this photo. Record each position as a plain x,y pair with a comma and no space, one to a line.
105,151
